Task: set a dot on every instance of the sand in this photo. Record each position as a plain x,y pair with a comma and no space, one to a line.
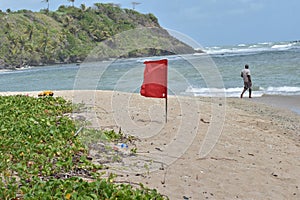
210,148
288,102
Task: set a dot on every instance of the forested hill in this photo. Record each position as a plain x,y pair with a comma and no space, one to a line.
69,34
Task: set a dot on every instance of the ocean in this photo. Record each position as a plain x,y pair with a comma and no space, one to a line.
275,70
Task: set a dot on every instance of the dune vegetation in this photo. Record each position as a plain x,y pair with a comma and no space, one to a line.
42,157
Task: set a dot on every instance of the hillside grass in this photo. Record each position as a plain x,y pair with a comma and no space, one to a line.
68,35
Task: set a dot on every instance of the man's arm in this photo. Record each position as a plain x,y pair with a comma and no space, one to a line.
249,78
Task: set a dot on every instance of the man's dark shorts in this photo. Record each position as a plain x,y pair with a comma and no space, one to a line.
247,85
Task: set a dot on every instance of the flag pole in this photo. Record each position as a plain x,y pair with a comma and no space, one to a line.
166,109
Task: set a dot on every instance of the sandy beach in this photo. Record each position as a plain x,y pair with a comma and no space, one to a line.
286,102
210,148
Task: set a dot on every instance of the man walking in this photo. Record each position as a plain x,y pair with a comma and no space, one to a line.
245,74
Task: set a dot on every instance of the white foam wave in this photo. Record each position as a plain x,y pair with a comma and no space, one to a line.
265,43
170,57
236,92
252,48
234,50
282,46
282,90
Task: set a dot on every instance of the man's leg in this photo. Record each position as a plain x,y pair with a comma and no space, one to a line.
250,91
243,92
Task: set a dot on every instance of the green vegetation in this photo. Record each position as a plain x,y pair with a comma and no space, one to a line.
69,34
41,158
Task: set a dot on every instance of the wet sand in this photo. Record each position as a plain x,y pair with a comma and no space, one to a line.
285,102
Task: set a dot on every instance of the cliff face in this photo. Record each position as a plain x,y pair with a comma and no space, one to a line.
70,34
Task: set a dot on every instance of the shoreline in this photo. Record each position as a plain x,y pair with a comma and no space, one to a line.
288,102
291,103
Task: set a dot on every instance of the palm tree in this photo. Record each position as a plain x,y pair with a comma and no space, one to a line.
67,21
47,1
83,7
72,2
44,40
29,31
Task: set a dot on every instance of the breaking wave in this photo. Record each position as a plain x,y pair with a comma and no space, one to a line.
252,48
235,92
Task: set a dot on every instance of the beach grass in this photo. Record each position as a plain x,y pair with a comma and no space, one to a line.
41,158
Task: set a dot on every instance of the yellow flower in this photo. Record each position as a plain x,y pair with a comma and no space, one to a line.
68,196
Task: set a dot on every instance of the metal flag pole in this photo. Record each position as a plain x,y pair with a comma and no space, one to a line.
166,109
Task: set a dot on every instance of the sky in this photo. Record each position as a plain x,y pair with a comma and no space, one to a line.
208,22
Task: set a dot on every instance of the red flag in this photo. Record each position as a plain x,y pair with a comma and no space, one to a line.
155,79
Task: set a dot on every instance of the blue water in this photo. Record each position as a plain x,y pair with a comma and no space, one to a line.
275,70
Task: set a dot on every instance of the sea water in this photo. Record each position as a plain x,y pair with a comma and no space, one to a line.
275,70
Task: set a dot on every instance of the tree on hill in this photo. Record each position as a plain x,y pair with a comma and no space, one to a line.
48,4
72,1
